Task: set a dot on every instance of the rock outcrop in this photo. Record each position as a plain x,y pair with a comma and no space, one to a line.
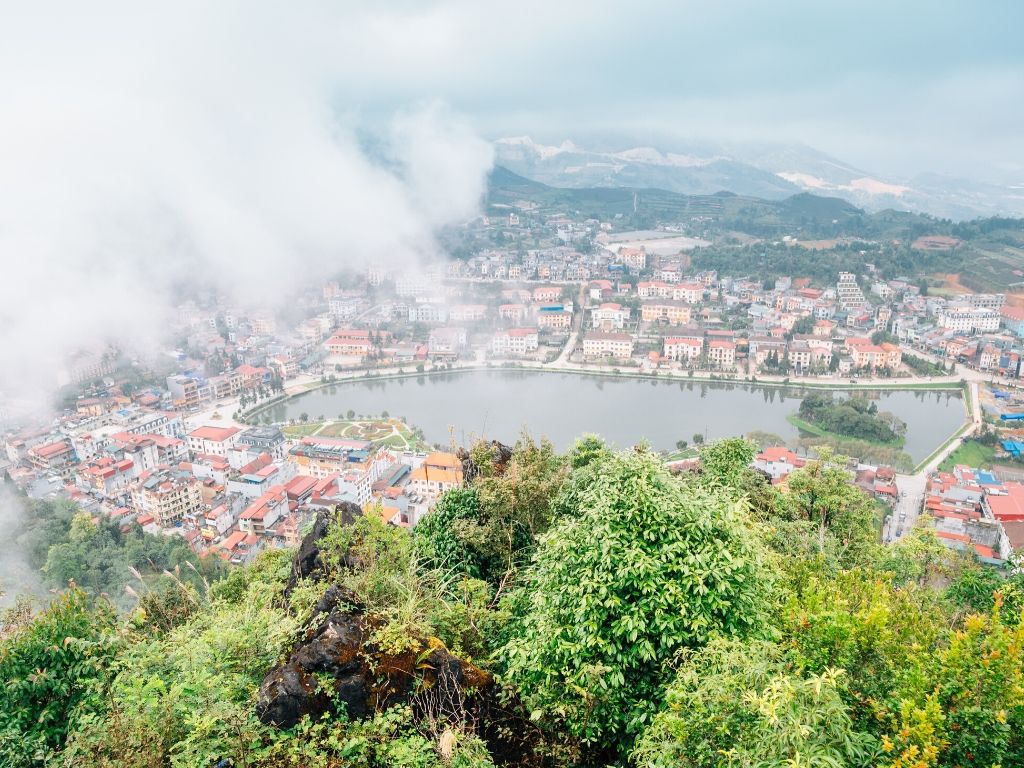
337,662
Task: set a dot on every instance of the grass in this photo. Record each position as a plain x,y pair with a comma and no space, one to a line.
301,430
970,452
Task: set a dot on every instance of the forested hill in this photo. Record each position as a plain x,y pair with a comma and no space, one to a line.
824,235
586,609
814,214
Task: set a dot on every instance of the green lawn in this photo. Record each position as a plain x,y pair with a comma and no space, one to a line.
301,430
971,453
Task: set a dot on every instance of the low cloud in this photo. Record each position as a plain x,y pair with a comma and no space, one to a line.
214,144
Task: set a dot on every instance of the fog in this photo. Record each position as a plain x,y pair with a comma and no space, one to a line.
17,576
204,143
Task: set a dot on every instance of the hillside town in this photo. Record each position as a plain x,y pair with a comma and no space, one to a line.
166,442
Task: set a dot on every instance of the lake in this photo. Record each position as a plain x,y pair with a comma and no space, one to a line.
562,406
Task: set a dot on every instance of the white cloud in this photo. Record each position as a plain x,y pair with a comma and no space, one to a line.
211,142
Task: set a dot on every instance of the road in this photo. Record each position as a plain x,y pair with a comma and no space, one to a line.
912,487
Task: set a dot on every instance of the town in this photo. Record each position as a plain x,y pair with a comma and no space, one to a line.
179,449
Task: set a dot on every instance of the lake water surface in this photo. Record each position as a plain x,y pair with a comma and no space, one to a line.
562,406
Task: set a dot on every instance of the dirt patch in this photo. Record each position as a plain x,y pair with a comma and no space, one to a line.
818,245
935,243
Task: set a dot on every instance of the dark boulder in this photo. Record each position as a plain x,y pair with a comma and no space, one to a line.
502,456
308,561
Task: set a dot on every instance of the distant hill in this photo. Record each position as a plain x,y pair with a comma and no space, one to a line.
748,214
767,171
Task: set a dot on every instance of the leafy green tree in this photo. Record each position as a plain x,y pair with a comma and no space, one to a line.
724,461
821,493
738,703
639,566
54,670
436,537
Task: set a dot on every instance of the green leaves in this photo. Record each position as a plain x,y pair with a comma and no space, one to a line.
639,566
53,670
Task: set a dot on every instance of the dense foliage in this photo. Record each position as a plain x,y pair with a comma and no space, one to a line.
629,616
68,545
640,566
855,417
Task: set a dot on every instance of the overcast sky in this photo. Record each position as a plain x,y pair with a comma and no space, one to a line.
894,87
261,145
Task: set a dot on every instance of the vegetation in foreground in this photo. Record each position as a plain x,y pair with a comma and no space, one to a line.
618,614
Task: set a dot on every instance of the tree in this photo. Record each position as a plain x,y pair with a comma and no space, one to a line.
724,460
698,438
53,669
822,494
738,703
436,539
638,567
350,414
681,445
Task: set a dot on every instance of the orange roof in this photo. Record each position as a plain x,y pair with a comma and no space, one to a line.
443,459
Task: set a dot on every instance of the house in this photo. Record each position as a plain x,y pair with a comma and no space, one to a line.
604,344
777,462
665,310
608,317
260,516
514,342
213,441
722,353
683,349
544,293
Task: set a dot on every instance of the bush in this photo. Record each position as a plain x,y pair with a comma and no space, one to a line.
639,567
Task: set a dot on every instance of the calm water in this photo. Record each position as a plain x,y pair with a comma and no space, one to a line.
562,406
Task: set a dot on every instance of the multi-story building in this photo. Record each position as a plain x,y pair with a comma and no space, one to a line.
467,313
609,317
213,441
349,342
543,293
554,319
514,342
168,495
259,516
722,353
321,457
684,350
57,457
604,344
513,313
849,293
969,319
438,473
665,310
263,440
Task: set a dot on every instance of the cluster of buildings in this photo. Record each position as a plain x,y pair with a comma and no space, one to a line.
707,322
974,510
229,491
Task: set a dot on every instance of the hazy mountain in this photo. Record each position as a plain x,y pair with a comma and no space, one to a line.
771,171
